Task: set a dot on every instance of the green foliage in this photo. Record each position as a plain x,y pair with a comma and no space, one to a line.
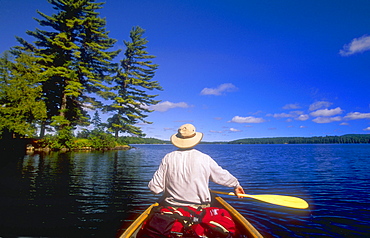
5,68
101,140
48,141
83,134
63,139
67,69
94,139
96,121
20,95
345,139
59,121
133,83
82,143
73,55
140,140
118,123
52,142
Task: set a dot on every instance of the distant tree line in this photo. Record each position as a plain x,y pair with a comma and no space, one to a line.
345,139
140,140
51,84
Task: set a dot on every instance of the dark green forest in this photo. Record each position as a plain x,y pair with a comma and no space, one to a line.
52,85
344,139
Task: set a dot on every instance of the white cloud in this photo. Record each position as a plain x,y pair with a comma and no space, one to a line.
226,130
319,105
303,117
164,106
89,107
239,119
285,115
367,129
357,115
357,45
292,106
257,112
282,115
297,115
327,112
326,119
213,131
226,87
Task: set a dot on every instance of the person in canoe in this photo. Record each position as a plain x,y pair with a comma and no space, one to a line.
184,174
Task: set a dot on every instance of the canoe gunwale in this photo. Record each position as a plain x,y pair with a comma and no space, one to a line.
238,218
241,221
136,224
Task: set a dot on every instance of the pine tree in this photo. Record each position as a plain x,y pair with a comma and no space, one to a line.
133,83
5,72
5,66
74,58
96,121
20,95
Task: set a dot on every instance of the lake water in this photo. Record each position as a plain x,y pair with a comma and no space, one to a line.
96,194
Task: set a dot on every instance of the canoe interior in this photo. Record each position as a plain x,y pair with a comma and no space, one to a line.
243,225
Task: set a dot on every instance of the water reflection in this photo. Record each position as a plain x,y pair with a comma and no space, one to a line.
91,194
68,194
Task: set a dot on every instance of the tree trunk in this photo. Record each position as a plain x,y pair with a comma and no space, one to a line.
63,106
42,129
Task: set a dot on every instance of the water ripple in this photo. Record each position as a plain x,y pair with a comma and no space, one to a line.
93,194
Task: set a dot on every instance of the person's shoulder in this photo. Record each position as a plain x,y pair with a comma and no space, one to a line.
169,156
200,153
171,153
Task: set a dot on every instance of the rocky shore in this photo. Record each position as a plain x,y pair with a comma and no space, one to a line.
31,148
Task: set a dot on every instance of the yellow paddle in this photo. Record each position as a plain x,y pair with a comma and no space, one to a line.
281,200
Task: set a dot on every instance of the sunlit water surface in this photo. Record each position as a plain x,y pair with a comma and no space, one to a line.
97,194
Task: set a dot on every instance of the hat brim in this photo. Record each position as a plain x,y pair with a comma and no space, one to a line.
186,143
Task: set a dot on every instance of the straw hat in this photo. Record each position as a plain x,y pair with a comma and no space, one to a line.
186,137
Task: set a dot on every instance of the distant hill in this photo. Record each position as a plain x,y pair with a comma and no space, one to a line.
344,139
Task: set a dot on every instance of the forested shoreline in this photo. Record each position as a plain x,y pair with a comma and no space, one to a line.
49,87
344,139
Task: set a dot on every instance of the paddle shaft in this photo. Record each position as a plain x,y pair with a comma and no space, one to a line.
281,200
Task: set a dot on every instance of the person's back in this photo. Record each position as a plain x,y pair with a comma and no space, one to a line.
184,174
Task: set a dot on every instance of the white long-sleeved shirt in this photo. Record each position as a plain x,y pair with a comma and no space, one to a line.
184,175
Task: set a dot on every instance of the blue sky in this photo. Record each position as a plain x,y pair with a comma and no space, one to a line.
242,69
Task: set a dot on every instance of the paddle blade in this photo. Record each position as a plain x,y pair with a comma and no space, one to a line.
281,200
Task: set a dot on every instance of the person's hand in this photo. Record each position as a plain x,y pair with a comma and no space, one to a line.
239,190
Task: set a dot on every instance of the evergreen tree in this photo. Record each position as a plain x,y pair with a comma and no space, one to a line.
96,121
20,95
74,58
5,67
130,96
